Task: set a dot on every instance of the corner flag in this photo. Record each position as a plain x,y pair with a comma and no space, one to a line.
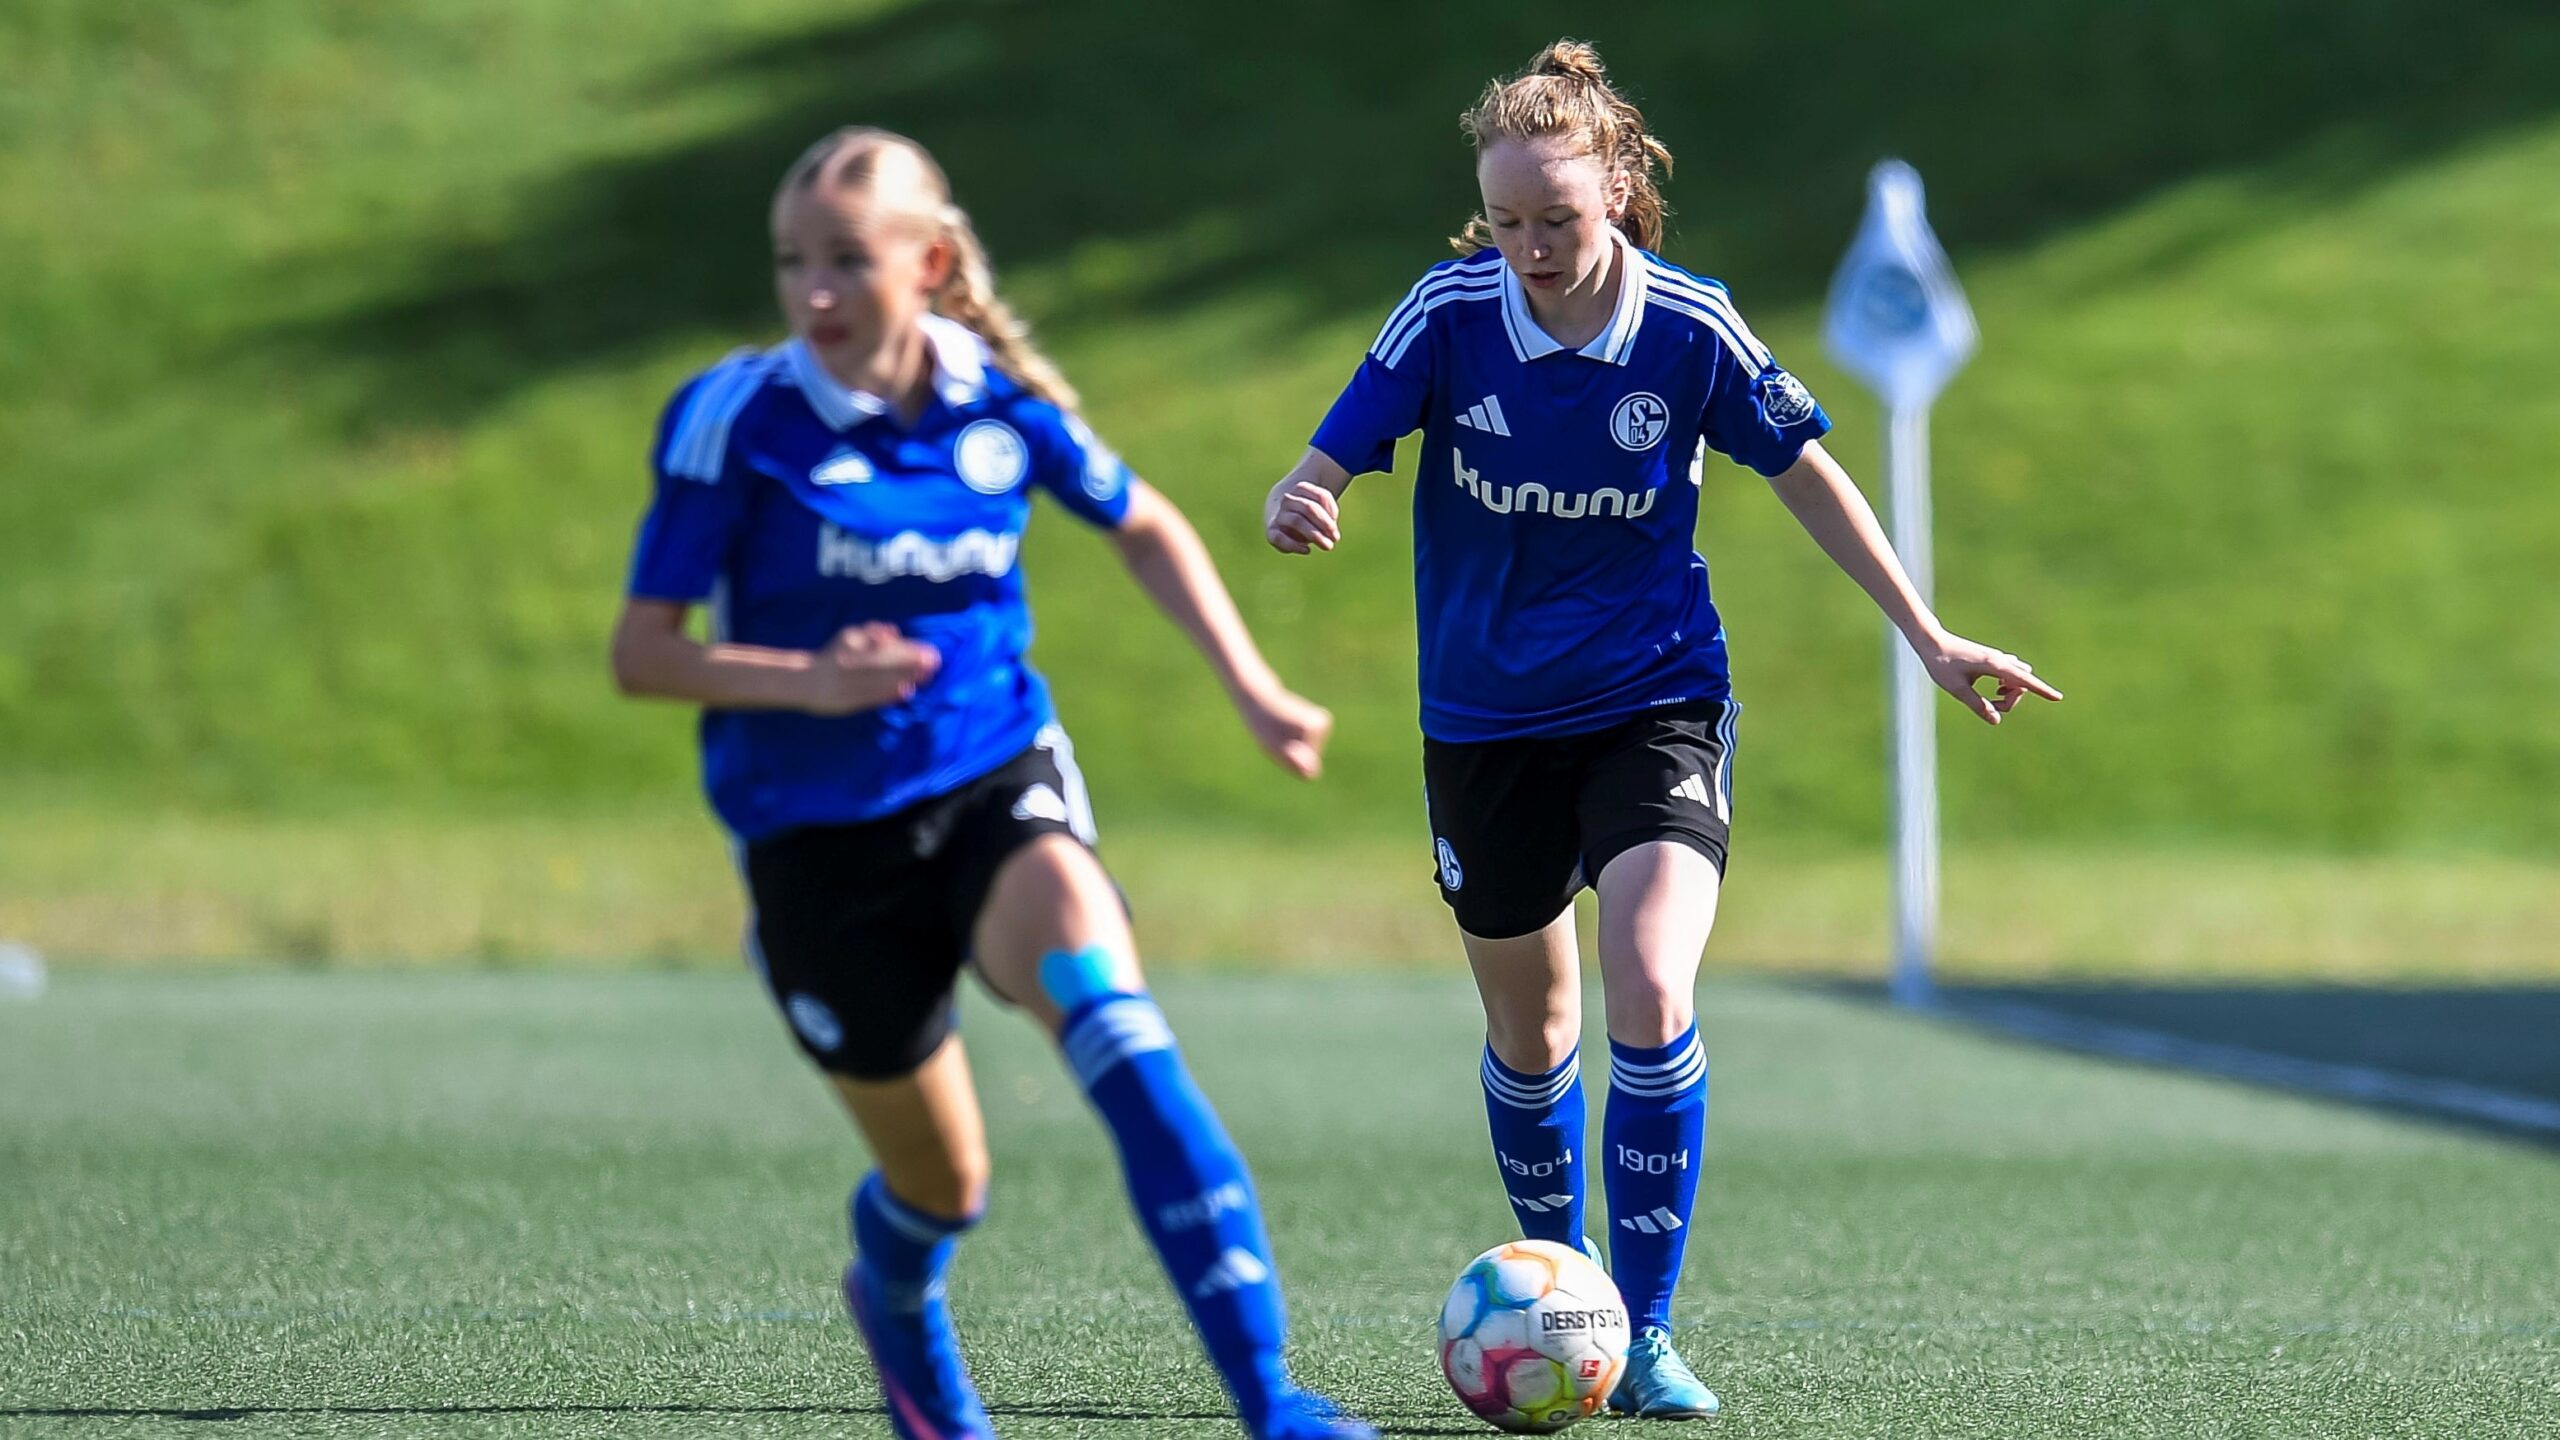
1897,321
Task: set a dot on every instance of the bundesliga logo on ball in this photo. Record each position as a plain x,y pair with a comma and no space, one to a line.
1533,1337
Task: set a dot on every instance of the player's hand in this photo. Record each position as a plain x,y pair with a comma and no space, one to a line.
866,667
1302,516
1957,663
1291,728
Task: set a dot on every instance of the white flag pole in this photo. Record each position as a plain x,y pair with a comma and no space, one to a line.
1897,321
1915,720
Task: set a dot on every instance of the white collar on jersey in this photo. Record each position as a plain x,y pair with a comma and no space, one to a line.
959,375
1615,342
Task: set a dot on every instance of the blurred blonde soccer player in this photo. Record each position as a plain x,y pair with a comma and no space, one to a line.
1578,726
851,504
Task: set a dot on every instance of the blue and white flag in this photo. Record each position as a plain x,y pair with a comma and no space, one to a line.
1896,319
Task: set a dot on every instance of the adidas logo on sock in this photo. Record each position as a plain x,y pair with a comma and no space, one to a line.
1693,788
1660,1222
1541,1204
1485,415
908,1298
1238,1269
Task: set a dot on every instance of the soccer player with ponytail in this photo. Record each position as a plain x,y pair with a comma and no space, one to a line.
851,504
1578,724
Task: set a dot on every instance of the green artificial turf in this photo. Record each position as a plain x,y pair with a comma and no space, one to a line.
271,1204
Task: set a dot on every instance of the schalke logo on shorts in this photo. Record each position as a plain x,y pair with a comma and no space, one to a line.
815,1020
1784,399
1639,420
991,457
1451,877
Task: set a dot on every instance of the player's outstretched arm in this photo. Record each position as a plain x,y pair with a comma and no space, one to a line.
1165,555
1827,503
867,666
1304,511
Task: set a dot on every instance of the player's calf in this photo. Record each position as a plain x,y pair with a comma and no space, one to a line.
1653,1137
1191,1190
1537,1125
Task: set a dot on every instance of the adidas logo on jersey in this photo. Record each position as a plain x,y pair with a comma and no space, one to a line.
1486,415
1694,788
1238,1269
1660,1222
843,468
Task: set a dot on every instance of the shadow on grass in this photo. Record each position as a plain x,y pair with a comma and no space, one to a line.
2484,1059
1311,149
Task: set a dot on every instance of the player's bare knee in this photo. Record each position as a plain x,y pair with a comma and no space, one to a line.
1533,1044
968,1188
1564,1036
1051,897
1645,1012
954,1189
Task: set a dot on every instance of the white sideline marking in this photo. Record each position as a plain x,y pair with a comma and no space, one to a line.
2320,1077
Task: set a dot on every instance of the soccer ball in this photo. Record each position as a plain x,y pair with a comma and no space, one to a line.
1533,1337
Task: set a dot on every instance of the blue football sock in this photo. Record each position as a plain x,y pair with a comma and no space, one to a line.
908,1249
1654,1131
1185,1177
1537,1123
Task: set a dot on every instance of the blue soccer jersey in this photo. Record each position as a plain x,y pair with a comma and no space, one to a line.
797,507
1556,577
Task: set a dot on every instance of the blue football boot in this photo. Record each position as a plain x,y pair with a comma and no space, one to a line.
1658,1384
923,1382
1305,1415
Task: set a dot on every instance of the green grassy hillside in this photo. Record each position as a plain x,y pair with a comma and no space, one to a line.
330,338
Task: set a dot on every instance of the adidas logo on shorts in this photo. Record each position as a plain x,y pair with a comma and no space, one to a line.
1694,788
1040,803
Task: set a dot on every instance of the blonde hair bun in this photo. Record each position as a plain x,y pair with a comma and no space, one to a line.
1565,91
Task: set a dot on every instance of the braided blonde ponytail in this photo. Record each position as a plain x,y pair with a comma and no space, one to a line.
970,297
852,157
1566,91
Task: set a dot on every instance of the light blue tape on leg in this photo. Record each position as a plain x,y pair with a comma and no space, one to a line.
1074,978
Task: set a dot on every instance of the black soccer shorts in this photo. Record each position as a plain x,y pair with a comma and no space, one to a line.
1519,827
861,929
